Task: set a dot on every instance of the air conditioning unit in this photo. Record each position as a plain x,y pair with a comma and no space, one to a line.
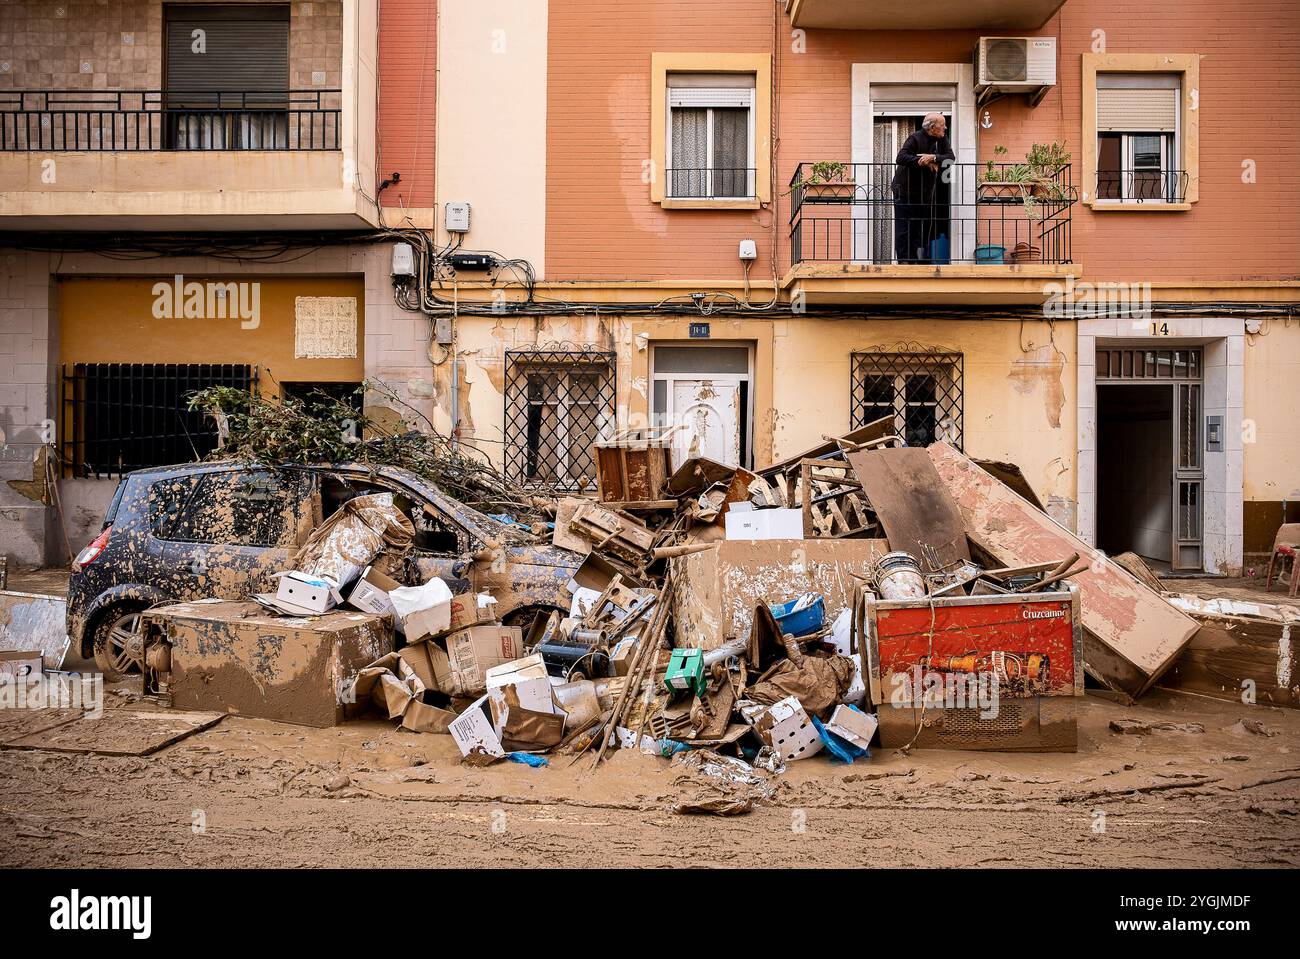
1015,65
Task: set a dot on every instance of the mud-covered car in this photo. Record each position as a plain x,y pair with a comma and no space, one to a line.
179,533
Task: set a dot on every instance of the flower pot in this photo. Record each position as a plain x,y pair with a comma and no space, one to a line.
991,191
1024,252
990,253
829,191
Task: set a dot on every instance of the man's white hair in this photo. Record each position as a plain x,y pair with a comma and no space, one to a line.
930,120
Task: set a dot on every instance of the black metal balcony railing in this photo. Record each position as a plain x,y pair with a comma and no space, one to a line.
970,213
1142,186
710,183
149,120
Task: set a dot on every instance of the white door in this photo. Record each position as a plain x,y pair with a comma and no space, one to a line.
709,412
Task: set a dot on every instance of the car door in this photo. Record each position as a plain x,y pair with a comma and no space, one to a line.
235,530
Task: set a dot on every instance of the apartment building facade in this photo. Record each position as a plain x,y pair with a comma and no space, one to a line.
185,189
1120,330
691,215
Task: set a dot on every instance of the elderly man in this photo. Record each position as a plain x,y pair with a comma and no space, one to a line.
920,193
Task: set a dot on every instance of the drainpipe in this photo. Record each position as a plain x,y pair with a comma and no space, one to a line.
455,369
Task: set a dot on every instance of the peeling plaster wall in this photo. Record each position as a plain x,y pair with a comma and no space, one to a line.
1018,405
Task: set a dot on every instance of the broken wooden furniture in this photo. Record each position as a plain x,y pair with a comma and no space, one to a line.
1131,635
1286,544
633,465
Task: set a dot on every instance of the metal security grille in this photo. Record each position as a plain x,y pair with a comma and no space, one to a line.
1134,364
558,403
119,417
921,390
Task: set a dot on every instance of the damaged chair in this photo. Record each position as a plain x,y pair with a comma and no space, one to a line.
1285,546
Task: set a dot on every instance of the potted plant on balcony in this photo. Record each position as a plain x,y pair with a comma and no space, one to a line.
1032,181
827,181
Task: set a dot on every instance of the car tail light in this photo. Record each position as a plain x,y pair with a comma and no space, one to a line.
91,552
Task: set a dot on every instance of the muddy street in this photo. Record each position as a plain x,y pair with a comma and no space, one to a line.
249,792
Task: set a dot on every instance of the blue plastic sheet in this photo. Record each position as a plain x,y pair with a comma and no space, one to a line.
841,750
528,759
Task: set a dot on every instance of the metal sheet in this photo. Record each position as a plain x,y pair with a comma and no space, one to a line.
912,503
34,622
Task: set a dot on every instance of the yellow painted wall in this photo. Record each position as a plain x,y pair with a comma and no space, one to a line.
1019,383
111,320
1271,411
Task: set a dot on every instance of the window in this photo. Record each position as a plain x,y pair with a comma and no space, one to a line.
710,130
245,508
1141,132
227,76
558,403
921,391
119,417
711,136
1137,138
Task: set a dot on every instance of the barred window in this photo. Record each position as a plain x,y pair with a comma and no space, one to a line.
922,391
558,403
119,417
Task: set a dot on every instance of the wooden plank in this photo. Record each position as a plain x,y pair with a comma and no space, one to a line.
1132,634
1239,646
913,505
119,732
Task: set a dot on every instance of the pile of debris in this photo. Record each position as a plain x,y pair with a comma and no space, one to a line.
861,592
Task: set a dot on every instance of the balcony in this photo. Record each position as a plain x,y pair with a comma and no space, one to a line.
204,117
146,120
1000,15
978,233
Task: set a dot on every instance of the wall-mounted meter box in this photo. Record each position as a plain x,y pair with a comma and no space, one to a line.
456,217
403,260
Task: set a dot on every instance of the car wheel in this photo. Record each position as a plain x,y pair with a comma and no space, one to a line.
119,644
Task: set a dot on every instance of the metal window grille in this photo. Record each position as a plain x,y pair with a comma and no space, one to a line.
558,403
921,390
119,417
1143,364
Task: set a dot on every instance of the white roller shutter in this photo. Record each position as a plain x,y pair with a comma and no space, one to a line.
1137,110
710,97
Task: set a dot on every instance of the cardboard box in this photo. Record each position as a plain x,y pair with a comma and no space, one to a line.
764,524
473,732
520,683
421,662
302,592
852,725
370,594
236,657
472,652
422,716
472,609
787,729
427,623
529,730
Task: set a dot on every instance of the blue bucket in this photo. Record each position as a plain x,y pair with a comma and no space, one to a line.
990,254
800,616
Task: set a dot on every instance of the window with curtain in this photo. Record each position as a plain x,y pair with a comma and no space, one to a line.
710,136
1137,138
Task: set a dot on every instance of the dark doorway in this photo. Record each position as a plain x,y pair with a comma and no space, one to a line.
1135,468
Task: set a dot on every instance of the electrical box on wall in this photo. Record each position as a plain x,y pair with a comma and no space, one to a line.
748,250
403,260
456,217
